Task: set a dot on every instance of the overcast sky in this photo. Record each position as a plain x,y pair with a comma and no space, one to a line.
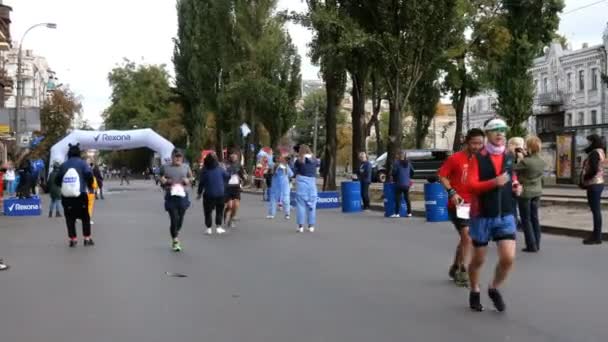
93,36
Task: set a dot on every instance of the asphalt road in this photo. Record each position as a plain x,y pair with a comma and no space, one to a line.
359,278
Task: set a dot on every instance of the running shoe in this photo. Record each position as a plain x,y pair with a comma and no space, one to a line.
92,223
209,231
453,271
592,241
3,266
270,217
496,298
462,279
300,229
475,301
89,242
232,224
409,215
395,216
220,230
58,215
177,247
311,229
287,217
73,243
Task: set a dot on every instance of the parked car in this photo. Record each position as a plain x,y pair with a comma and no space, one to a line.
425,162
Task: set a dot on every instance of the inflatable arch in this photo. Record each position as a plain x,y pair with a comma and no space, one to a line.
113,140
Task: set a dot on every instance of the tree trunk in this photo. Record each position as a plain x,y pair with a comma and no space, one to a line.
395,129
459,101
374,121
334,91
219,142
358,116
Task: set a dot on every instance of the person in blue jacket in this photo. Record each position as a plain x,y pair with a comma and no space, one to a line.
211,187
403,171
364,175
280,189
305,168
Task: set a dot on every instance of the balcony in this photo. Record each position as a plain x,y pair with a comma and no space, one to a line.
553,98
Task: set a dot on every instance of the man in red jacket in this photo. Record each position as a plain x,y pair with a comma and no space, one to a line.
493,185
453,176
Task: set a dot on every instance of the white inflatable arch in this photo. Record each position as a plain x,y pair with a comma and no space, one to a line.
113,140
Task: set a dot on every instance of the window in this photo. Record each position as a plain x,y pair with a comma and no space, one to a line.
581,80
580,120
568,119
536,85
595,119
545,84
569,82
594,79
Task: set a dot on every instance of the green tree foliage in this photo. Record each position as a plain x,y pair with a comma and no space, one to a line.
56,116
423,104
140,96
532,25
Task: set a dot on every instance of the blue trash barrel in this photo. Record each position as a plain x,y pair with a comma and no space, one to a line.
351,197
436,202
389,201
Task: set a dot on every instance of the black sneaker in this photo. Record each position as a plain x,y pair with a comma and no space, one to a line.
452,272
496,297
475,301
73,243
592,241
89,242
58,215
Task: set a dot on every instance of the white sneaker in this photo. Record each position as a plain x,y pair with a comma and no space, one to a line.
270,217
220,230
409,215
92,223
395,216
209,231
311,229
287,217
232,224
301,230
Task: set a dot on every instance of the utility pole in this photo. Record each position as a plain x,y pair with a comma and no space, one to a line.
316,130
435,131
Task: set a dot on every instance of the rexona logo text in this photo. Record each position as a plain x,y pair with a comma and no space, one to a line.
19,207
328,200
112,137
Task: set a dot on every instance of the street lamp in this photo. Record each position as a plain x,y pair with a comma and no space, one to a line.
21,123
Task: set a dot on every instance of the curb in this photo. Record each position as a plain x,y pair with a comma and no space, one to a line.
552,230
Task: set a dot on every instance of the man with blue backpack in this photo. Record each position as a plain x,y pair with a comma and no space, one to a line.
74,177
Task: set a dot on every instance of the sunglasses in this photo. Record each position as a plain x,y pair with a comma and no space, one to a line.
498,130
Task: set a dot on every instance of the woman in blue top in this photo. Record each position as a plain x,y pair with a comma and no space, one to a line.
403,171
280,188
305,168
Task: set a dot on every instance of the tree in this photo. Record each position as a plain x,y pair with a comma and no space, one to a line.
56,116
532,25
423,104
408,35
140,96
313,105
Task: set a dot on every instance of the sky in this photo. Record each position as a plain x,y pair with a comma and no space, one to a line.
94,36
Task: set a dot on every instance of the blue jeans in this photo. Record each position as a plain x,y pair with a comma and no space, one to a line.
528,210
306,200
56,205
594,198
279,191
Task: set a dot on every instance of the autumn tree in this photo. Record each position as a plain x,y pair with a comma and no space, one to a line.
57,115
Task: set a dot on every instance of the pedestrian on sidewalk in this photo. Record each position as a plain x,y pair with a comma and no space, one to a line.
592,179
453,174
9,178
516,147
54,191
280,190
211,188
74,177
530,170
493,185
174,178
403,171
124,175
99,178
236,174
364,175
305,168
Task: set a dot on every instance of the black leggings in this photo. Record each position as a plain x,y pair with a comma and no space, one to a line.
406,193
77,208
210,204
176,215
365,195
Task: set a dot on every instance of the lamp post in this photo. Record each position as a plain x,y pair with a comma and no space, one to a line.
21,123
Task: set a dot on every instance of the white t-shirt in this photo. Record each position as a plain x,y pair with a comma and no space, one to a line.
10,175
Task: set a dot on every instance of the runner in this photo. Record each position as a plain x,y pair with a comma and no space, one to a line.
280,190
175,177
453,175
54,192
91,195
211,187
236,179
493,185
73,178
99,178
305,169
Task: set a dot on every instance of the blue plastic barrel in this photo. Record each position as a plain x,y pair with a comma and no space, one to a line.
389,201
436,202
351,197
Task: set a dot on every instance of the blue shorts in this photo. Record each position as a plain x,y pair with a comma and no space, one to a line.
484,229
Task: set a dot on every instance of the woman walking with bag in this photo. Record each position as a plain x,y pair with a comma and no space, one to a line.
211,188
592,179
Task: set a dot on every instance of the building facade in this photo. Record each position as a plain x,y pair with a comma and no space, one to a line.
6,82
571,102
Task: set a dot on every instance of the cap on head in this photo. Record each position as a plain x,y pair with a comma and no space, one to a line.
495,124
177,153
